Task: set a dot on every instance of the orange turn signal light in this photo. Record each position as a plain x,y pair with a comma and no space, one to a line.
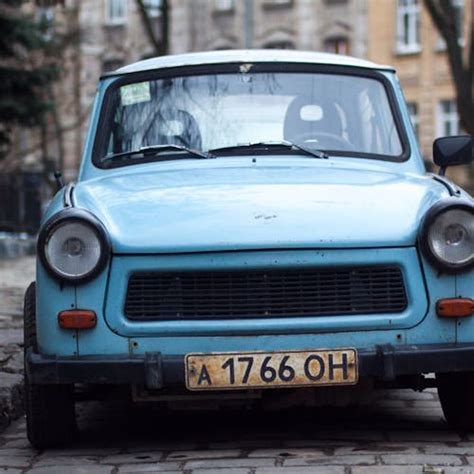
455,307
77,319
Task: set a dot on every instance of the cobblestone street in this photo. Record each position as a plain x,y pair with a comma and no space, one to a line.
402,432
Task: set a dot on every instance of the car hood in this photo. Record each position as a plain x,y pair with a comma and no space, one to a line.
166,209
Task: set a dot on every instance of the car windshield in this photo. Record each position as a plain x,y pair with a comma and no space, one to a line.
339,114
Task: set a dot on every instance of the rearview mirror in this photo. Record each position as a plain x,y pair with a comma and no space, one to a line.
452,151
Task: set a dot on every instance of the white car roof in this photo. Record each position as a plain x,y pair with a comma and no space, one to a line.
247,56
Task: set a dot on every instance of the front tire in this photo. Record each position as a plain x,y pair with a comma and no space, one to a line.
456,393
50,414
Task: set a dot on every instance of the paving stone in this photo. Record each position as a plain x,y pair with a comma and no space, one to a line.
20,443
68,469
11,336
15,461
11,397
72,452
203,454
14,364
251,444
316,443
229,463
232,470
421,459
386,470
351,435
164,467
382,448
132,458
4,452
391,403
362,459
458,470
426,404
46,460
8,470
427,436
285,453
445,449
301,470
410,395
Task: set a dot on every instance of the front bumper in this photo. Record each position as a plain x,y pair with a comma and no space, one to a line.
154,370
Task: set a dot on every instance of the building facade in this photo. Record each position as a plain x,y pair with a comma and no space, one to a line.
401,33
111,33
100,36
318,25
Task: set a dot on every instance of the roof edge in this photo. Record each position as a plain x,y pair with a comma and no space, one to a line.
234,56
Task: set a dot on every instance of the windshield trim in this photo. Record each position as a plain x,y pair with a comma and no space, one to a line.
233,68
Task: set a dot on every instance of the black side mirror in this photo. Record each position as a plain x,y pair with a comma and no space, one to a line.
452,151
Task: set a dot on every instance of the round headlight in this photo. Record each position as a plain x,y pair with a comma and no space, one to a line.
448,236
73,245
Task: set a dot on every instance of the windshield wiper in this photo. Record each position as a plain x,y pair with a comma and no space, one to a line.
284,144
155,150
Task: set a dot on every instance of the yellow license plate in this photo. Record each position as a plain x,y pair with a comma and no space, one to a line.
241,370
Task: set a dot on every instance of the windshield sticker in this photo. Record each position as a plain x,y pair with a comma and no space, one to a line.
135,93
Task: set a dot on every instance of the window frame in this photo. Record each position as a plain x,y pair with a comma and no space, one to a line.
106,111
337,41
443,118
223,6
412,12
115,20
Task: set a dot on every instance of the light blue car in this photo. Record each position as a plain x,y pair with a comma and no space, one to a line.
252,220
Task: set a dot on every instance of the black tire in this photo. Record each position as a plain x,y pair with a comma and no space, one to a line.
50,411
456,393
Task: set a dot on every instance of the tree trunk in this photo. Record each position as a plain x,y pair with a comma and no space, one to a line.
442,13
160,44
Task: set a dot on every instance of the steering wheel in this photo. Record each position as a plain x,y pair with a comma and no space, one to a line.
325,139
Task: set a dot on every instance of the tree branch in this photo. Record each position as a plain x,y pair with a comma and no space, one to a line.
148,24
443,15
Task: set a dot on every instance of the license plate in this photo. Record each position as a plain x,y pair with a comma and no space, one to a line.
240,370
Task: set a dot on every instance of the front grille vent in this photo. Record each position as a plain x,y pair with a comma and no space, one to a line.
265,293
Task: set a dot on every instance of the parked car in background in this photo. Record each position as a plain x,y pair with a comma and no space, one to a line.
246,221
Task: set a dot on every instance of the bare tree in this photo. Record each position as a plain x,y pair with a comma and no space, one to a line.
461,58
158,41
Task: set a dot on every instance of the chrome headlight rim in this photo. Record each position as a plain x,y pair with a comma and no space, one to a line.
72,215
433,213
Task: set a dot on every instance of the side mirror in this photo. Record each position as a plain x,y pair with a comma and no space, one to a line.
452,151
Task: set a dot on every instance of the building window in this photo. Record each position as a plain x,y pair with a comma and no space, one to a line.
337,45
116,12
279,45
414,117
224,5
408,26
277,3
447,118
153,8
